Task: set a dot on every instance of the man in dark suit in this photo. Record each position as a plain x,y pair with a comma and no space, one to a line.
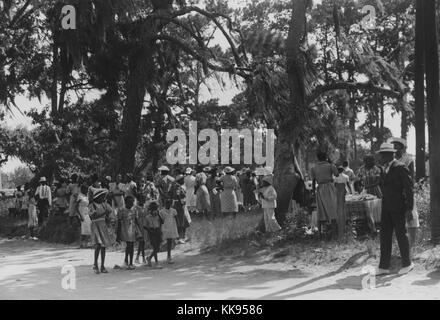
397,206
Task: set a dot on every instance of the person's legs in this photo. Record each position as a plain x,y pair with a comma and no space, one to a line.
169,245
131,252
412,234
126,253
402,238
103,270
31,230
386,235
95,263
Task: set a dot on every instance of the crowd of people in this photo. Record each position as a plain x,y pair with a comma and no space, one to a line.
392,180
155,208
158,207
334,183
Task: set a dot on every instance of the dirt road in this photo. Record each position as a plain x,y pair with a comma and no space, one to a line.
32,270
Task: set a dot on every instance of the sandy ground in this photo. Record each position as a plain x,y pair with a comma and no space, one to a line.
32,270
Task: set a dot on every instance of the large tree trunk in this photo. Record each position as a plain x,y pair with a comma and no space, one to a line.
141,73
284,172
141,69
433,104
420,92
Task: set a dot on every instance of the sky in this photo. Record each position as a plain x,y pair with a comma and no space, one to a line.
224,95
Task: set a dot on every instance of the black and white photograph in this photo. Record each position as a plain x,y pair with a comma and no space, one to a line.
224,151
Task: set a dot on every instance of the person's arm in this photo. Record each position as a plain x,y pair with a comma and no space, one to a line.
49,197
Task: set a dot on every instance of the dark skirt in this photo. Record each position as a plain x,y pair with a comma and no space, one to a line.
155,237
182,222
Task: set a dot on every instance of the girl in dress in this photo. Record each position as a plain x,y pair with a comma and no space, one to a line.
127,224
32,215
153,223
169,227
268,197
142,214
100,214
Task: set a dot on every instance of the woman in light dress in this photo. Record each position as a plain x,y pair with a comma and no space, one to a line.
268,198
322,173
32,215
83,210
190,183
228,199
203,199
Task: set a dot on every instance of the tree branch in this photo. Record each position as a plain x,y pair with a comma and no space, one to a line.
320,90
229,69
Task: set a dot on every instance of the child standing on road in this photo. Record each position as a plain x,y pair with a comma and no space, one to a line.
169,227
142,213
127,224
153,226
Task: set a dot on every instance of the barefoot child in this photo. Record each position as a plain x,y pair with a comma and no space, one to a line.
142,213
127,224
153,226
100,211
169,227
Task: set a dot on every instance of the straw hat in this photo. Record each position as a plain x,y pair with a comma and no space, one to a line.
398,140
207,169
43,179
386,147
99,192
268,179
229,169
164,168
188,171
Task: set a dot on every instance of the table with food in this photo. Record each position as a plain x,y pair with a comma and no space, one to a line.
364,211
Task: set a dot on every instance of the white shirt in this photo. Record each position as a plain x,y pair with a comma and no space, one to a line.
44,192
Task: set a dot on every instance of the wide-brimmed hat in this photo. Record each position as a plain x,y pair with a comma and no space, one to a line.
164,168
188,170
43,179
99,192
179,177
386,147
398,140
207,169
229,169
268,179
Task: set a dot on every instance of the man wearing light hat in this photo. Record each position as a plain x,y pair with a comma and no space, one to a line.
397,206
44,195
400,145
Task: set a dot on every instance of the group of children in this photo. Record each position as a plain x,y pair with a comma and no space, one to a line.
136,221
